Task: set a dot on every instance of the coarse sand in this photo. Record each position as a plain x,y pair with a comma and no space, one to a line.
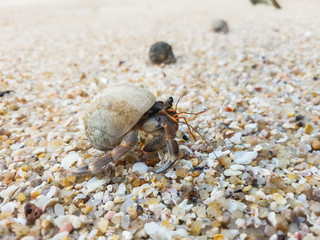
259,85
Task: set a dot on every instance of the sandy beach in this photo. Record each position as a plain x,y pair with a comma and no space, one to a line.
259,85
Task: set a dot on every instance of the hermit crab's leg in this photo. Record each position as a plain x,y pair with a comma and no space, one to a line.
156,144
127,143
168,129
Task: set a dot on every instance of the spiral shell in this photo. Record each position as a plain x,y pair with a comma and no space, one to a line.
115,111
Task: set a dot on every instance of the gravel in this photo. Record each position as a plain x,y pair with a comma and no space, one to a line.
259,85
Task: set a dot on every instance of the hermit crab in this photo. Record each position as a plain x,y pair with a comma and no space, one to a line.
115,115
161,52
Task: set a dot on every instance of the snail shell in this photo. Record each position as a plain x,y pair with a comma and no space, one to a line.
115,111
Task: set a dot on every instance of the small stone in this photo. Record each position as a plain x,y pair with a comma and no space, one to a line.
28,238
108,205
301,150
151,228
182,173
136,182
203,194
66,138
126,235
252,140
103,225
8,192
32,213
224,219
20,229
287,214
132,211
109,215
200,210
58,209
64,182
230,234
279,199
8,207
218,237
21,197
229,192
119,199
195,228
237,167
316,195
87,209
195,162
315,208
315,145
150,201
55,143
220,26
93,184
36,182
140,167
195,174
75,220
247,188
272,218
70,159
214,210
243,157
230,172
66,227
269,230
61,236
140,234
161,52
121,189
308,128
35,194
115,237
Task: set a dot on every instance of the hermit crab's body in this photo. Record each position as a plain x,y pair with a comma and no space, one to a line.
114,116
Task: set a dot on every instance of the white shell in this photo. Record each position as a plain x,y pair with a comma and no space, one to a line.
114,112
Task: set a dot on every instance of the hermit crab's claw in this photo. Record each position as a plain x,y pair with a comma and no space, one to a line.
164,167
173,152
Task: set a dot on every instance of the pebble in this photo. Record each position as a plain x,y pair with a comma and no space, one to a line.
8,192
315,145
237,138
69,160
21,197
8,207
87,209
236,167
132,211
230,172
220,26
58,209
93,185
126,235
182,173
66,227
244,157
109,215
61,236
140,167
308,128
103,225
61,220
